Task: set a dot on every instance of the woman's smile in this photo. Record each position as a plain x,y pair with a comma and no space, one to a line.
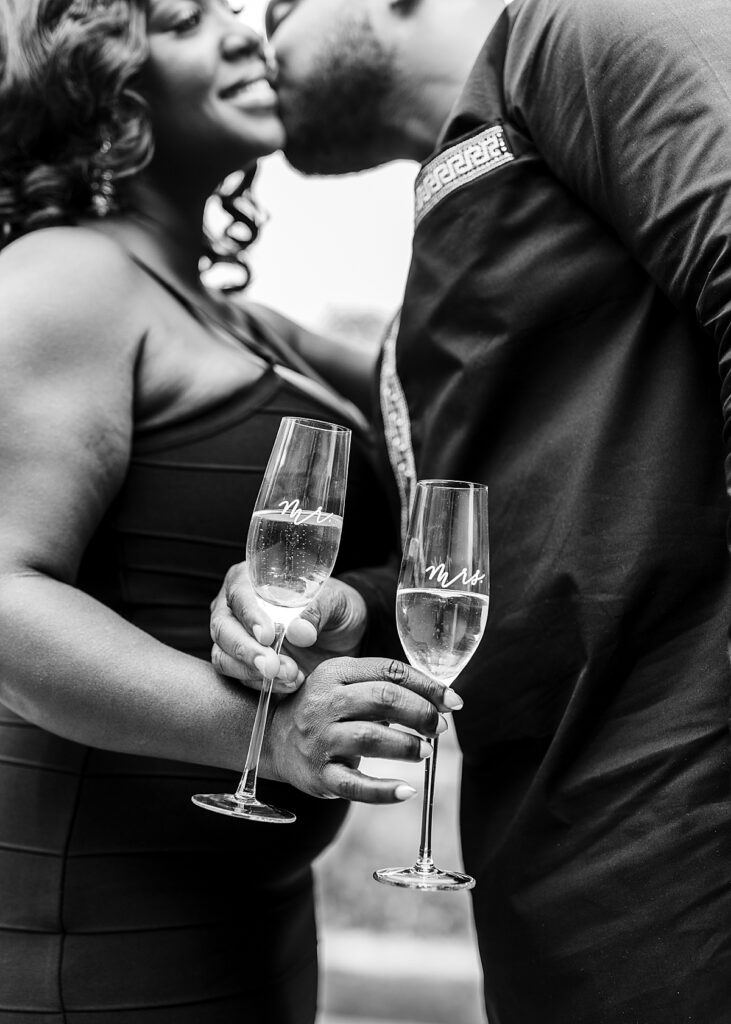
251,95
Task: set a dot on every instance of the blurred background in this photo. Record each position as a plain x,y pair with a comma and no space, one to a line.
334,256
334,252
392,954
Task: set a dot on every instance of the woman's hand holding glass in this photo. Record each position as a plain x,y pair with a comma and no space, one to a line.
332,625
317,735
319,732
291,547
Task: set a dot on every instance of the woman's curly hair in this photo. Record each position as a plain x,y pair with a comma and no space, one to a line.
69,111
67,69
233,221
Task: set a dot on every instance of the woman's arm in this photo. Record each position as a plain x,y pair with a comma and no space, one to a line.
70,362
71,351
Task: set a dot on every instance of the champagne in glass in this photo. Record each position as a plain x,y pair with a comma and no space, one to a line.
291,549
441,612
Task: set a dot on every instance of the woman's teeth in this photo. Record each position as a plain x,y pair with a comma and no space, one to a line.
259,91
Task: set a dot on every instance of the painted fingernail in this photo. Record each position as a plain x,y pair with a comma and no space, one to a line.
404,792
442,726
260,664
257,631
453,700
425,749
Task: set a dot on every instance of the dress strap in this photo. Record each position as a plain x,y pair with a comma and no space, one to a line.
263,341
205,316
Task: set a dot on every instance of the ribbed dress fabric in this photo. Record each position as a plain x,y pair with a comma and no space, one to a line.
120,901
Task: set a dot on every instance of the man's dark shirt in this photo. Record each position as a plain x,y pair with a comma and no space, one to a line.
567,313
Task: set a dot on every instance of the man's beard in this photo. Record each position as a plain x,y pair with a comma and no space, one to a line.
337,118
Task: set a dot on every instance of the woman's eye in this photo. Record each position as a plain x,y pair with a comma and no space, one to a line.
189,21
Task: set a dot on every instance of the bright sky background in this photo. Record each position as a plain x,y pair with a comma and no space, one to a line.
331,245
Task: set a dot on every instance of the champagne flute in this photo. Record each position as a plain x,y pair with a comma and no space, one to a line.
290,549
442,600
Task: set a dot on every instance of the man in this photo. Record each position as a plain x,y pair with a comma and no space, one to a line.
566,320
368,81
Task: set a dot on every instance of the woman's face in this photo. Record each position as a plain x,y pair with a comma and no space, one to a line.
207,83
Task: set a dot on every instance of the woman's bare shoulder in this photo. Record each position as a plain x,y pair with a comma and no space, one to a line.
64,249
73,282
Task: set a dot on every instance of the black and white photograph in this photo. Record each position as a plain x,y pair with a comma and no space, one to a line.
365,483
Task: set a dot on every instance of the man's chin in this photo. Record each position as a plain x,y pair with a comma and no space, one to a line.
313,167
302,162
327,161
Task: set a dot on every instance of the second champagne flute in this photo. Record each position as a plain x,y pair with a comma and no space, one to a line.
290,550
441,612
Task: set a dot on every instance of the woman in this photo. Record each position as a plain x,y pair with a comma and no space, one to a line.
138,413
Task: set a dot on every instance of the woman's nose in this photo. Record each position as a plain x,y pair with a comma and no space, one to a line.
242,41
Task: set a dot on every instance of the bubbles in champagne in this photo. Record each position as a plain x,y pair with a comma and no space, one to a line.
440,629
290,557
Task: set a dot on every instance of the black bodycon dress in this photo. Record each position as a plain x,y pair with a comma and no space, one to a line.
120,901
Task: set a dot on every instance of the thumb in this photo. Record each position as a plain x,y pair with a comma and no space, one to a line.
320,614
302,631
336,618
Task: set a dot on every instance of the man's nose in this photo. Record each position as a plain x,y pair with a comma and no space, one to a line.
276,12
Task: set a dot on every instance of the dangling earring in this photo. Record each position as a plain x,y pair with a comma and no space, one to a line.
102,182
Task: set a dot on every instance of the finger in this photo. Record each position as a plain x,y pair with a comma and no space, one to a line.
349,740
228,634
301,633
325,612
339,617
351,784
376,702
354,670
246,658
229,666
245,605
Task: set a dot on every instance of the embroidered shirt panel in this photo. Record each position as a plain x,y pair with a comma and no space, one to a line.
397,426
459,165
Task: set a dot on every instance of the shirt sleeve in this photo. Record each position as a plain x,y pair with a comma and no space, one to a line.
629,104
377,587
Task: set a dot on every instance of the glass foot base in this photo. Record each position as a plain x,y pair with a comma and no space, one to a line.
433,880
227,803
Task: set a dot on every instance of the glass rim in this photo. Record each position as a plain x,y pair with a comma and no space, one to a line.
453,485
325,425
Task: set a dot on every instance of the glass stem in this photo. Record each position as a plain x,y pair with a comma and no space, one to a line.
246,791
425,862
